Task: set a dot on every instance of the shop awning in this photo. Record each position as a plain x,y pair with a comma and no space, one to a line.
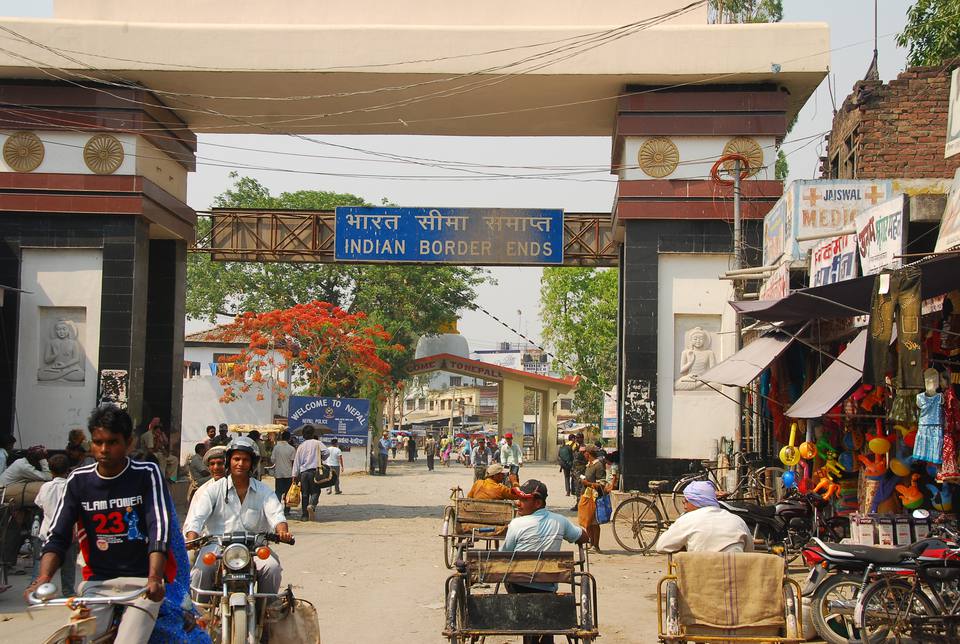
847,299
740,369
834,383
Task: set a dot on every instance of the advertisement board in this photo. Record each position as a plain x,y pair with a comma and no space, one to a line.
347,417
953,117
610,406
950,224
834,260
775,230
450,235
880,233
777,285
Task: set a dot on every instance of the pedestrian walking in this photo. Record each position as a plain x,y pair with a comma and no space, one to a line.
565,456
579,467
306,461
283,455
411,449
430,450
393,448
482,458
511,457
384,446
593,485
445,454
334,461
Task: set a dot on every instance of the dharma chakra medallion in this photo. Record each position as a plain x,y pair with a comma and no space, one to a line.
103,154
745,147
658,157
23,152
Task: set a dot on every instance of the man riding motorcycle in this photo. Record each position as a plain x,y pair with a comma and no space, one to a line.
237,503
120,506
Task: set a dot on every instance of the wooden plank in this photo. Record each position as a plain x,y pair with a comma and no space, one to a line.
521,567
484,511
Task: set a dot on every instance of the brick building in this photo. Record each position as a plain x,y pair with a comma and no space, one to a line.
896,129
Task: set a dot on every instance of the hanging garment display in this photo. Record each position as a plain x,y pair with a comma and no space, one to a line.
929,445
951,429
896,298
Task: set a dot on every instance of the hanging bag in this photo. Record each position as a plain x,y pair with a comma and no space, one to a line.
604,509
325,476
293,496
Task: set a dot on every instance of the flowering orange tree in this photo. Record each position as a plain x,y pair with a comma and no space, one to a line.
330,352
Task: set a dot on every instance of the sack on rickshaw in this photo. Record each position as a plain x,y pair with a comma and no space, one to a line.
293,620
293,495
604,509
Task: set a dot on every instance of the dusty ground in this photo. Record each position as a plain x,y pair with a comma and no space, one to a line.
373,564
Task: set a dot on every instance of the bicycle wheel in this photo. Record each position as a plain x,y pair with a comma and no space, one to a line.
636,524
768,485
832,605
883,612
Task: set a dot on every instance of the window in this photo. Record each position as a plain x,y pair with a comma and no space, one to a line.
566,404
222,361
456,381
421,403
410,404
431,405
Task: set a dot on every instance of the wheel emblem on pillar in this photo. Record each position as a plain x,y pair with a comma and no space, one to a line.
747,148
103,154
658,157
23,152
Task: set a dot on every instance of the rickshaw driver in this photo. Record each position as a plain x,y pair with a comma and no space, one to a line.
535,529
492,487
705,526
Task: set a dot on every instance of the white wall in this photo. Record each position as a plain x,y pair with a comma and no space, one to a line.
70,281
63,152
202,407
689,422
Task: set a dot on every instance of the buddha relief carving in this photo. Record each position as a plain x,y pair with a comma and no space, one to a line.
696,358
62,355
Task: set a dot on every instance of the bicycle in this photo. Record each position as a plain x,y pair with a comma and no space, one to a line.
762,485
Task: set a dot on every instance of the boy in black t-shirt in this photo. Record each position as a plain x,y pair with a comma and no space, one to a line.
119,507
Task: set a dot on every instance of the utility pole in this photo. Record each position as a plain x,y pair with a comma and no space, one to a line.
737,291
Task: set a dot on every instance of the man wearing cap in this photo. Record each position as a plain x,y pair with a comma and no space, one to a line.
535,529
492,486
215,462
511,456
705,526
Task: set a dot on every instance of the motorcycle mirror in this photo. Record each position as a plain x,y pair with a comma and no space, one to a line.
45,591
920,513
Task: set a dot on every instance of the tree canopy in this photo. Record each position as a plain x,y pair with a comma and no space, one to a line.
740,11
578,307
406,300
932,32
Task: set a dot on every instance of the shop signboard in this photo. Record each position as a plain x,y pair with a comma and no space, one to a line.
609,428
880,233
834,260
950,224
450,235
778,284
347,417
953,119
775,230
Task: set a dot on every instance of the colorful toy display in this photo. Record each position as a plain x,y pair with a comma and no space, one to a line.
875,467
910,495
826,484
789,454
879,443
941,497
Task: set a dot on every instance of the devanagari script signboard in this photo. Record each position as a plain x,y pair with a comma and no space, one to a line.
450,235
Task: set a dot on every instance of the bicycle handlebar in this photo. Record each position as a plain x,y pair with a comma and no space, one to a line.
70,602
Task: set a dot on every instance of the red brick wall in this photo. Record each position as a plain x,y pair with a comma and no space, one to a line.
900,128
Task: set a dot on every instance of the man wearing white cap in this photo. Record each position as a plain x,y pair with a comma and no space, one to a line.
705,526
492,486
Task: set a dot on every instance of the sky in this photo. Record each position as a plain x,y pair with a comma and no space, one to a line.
515,296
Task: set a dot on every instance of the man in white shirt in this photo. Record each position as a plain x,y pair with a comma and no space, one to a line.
32,467
47,499
306,461
334,461
237,503
705,526
283,453
511,456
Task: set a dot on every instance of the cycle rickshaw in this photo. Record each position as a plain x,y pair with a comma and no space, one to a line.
464,515
478,604
728,597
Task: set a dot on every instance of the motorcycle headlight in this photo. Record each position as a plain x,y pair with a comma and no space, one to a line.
236,556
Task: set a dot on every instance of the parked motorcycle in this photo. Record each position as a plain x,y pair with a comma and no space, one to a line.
235,610
838,572
790,523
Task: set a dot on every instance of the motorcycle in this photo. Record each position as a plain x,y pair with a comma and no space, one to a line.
790,523
237,614
838,572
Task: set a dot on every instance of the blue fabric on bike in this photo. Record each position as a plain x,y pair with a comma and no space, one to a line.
604,509
701,494
169,626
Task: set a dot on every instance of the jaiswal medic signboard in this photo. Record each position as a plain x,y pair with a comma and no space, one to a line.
880,236
450,235
834,260
949,236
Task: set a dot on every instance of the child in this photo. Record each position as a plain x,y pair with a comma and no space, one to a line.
48,497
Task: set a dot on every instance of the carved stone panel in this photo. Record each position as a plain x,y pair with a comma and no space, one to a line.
62,357
698,340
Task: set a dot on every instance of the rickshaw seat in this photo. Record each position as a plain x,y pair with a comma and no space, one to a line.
483,513
520,567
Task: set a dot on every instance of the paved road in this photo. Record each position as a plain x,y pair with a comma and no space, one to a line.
373,564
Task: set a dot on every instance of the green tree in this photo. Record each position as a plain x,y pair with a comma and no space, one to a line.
578,307
932,32
740,11
408,301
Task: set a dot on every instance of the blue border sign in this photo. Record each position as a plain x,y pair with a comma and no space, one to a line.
347,417
450,235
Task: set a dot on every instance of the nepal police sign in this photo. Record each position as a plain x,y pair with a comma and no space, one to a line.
347,417
451,235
